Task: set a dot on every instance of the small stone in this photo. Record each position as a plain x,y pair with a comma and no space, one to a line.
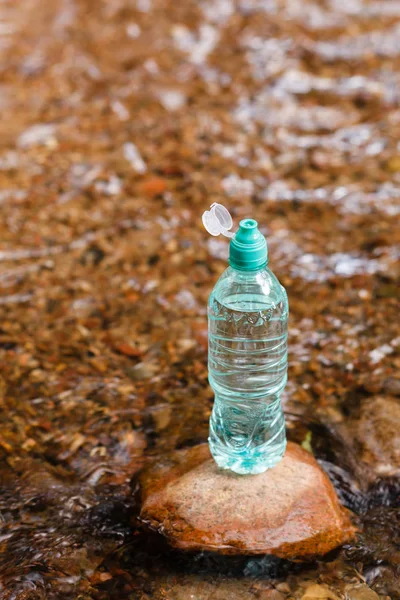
392,386
185,345
100,364
153,187
161,415
40,134
143,371
374,435
283,587
360,592
197,588
319,592
290,511
274,595
127,349
38,375
393,164
29,444
132,155
172,99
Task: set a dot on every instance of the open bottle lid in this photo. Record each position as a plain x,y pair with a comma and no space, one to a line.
248,248
218,220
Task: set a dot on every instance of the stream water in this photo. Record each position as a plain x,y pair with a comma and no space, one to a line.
121,122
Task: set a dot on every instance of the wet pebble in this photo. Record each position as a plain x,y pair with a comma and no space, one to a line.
319,592
360,592
374,435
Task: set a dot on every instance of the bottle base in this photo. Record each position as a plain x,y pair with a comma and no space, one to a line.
248,463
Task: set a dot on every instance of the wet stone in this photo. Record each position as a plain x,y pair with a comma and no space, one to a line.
392,386
202,590
319,592
361,592
374,435
290,511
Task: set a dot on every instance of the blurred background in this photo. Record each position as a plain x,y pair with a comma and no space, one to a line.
121,122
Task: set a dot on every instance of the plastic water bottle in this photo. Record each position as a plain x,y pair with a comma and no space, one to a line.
247,352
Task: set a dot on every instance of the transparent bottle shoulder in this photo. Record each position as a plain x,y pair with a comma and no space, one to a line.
237,290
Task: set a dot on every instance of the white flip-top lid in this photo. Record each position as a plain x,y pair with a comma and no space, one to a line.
218,220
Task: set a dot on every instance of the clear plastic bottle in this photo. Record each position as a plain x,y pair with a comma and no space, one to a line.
247,356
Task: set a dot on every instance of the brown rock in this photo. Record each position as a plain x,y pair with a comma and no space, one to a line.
272,595
127,349
283,587
319,592
161,415
374,436
153,187
391,385
360,591
393,164
378,435
198,589
290,511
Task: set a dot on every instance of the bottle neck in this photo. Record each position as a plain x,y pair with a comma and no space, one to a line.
248,249
246,274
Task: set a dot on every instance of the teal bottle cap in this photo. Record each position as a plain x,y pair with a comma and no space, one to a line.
248,249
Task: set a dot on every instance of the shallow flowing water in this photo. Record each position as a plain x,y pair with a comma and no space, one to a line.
121,123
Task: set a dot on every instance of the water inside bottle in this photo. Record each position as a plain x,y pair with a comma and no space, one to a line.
247,371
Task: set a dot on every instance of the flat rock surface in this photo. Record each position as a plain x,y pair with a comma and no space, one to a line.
290,511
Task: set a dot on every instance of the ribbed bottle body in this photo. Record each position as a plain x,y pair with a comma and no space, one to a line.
247,363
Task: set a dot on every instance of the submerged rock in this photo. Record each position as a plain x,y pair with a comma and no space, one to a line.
360,592
377,435
372,436
200,589
290,511
319,592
